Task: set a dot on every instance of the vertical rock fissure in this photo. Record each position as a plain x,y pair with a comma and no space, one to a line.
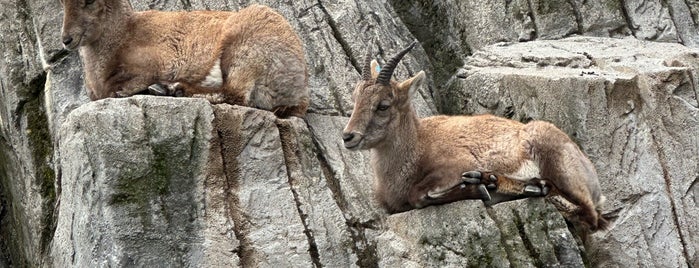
694,183
693,15
366,254
629,22
330,179
532,15
503,240
578,16
338,36
293,167
662,158
671,11
41,146
362,247
186,4
244,251
693,84
337,99
528,245
193,152
431,28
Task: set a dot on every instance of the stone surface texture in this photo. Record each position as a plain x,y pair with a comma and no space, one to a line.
179,182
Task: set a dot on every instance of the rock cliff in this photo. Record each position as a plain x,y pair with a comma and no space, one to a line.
156,181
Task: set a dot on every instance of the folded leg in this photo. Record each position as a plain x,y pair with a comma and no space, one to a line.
167,89
445,186
157,89
456,193
503,189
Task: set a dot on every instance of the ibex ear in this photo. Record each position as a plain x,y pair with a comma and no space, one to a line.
413,84
375,69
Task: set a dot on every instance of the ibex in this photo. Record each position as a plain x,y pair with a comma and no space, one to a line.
441,159
251,57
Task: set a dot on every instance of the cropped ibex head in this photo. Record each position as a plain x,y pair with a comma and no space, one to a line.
378,99
85,20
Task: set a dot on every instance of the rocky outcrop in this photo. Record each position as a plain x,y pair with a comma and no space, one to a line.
180,182
450,31
226,186
131,187
632,107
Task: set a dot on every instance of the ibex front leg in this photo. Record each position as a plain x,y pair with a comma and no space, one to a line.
167,89
441,187
174,89
503,189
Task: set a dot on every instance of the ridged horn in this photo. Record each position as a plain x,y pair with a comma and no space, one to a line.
366,69
387,70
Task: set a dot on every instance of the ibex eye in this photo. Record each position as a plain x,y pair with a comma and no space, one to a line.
89,2
383,107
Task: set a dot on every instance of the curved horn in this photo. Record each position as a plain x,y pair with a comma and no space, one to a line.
387,70
366,69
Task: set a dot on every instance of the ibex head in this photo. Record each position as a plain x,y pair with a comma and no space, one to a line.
85,20
379,103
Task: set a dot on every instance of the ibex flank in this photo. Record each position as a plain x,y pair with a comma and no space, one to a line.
251,57
441,159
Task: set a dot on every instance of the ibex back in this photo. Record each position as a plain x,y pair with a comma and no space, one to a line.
251,57
441,159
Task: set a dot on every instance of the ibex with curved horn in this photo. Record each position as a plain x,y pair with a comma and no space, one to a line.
441,159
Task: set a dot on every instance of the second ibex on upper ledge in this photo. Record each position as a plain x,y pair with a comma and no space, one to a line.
252,57
441,159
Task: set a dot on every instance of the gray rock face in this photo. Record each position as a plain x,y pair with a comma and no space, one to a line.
466,234
132,183
450,31
151,181
632,107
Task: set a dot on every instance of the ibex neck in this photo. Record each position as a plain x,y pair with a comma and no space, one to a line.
114,30
119,14
397,156
119,8
115,26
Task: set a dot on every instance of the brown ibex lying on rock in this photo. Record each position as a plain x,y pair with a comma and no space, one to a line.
441,159
251,57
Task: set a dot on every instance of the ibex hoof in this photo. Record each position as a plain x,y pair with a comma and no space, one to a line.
472,177
477,177
532,190
157,90
122,94
492,179
485,195
176,89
